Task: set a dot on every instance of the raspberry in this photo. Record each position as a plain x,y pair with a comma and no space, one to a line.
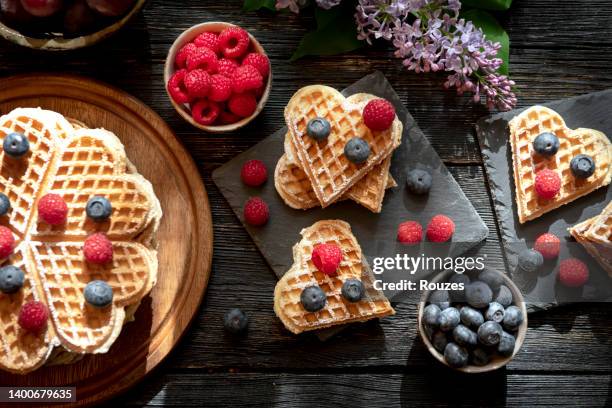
378,114
573,273
33,316
208,40
7,242
245,78
440,229
327,258
259,92
197,83
254,173
227,118
548,245
259,61
227,67
52,209
256,212
176,87
547,184
242,105
233,42
181,56
205,112
203,58
410,232
220,88
98,249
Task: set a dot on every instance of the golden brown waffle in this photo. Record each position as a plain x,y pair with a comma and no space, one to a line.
369,191
79,164
524,128
331,174
303,273
295,189
595,235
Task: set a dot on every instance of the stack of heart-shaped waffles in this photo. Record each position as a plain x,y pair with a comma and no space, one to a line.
304,273
75,164
595,235
524,129
317,172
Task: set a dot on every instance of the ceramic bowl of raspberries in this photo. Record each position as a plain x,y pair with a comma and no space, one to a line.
59,25
217,76
473,322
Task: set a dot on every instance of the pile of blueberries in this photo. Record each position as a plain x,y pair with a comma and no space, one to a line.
473,325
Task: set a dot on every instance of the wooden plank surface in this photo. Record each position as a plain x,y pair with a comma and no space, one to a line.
559,48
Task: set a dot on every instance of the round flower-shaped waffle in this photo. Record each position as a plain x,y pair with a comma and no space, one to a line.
75,163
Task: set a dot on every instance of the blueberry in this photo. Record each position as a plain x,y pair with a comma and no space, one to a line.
546,144
530,260
464,336
459,295
439,341
478,294
455,355
418,181
582,166
504,296
480,357
353,290
16,145
11,279
98,208
489,333
513,317
313,298
440,298
235,321
5,204
98,293
449,319
492,278
495,312
506,344
357,150
431,314
318,128
471,317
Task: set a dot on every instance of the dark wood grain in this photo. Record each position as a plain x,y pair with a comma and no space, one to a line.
559,49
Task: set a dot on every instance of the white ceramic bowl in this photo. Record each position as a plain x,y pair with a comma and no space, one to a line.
60,43
497,361
169,69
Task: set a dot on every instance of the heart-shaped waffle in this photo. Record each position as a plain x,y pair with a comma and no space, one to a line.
330,173
75,164
595,235
303,273
524,128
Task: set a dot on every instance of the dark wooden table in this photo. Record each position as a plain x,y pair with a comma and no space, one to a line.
559,49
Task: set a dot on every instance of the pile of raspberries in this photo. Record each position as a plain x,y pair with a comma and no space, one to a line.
219,76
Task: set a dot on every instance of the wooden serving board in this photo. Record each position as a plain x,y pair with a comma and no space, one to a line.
185,233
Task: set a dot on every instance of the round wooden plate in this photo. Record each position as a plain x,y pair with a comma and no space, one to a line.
185,233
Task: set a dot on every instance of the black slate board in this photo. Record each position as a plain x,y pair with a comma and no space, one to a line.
376,233
542,290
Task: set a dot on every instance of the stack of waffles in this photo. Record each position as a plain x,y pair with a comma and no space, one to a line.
317,173
304,273
76,163
524,128
595,235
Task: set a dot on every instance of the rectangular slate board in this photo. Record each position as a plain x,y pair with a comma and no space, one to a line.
376,233
542,290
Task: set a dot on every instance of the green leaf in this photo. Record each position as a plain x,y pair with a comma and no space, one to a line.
494,32
252,5
336,33
488,4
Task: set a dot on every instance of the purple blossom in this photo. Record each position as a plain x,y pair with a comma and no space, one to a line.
293,5
327,4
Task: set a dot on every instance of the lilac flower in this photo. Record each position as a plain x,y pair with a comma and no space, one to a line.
293,5
327,4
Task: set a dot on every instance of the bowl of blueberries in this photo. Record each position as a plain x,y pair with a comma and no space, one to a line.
476,322
59,25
